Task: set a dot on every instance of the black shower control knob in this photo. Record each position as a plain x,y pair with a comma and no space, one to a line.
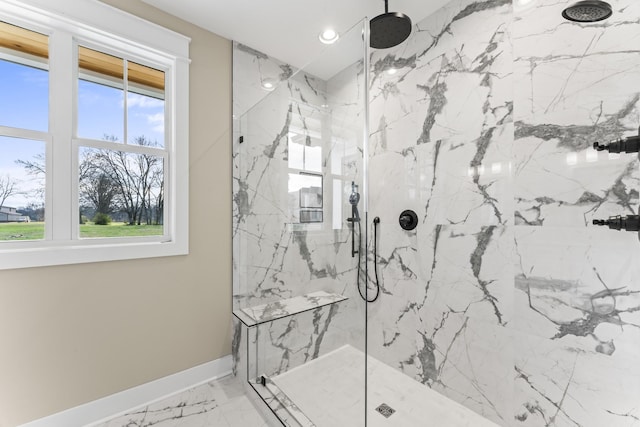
408,220
628,223
626,145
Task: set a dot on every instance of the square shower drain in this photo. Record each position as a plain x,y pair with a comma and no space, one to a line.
385,410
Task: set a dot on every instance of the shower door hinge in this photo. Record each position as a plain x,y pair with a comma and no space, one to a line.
263,380
241,139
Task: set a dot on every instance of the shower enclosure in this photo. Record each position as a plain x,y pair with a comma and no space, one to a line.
505,305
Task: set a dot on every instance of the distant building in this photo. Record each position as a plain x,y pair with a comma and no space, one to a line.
8,214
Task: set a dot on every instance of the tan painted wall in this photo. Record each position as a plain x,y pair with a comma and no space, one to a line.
72,334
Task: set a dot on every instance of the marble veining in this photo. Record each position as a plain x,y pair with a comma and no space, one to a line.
505,298
288,307
485,131
218,403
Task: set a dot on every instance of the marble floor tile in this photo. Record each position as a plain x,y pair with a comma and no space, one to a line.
330,390
220,403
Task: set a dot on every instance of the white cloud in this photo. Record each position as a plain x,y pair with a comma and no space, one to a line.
157,120
141,101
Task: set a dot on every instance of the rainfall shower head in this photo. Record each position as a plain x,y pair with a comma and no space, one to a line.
588,11
389,29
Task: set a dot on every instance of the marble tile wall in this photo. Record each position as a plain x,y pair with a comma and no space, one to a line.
506,298
276,257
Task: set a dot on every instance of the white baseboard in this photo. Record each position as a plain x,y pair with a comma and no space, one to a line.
122,402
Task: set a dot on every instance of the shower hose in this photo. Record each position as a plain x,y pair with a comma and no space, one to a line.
365,295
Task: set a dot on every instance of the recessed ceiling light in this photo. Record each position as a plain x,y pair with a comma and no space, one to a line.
328,36
268,84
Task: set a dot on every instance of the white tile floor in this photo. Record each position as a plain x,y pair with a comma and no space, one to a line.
220,403
330,391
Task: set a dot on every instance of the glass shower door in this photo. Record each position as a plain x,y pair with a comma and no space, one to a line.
298,251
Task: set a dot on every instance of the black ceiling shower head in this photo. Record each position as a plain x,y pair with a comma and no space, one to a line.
389,29
588,11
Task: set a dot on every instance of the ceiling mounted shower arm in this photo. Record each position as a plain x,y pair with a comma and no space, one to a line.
386,6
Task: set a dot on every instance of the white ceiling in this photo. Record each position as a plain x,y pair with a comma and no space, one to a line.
286,29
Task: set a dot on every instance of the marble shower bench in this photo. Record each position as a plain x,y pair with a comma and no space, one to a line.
252,316
270,339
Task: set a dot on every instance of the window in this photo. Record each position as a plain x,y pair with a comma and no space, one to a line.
121,192
24,85
305,176
93,136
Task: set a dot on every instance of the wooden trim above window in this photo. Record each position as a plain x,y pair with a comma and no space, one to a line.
33,43
23,40
112,66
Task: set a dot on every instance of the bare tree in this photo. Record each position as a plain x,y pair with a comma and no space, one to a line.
36,169
120,169
158,195
114,181
98,190
96,187
8,187
137,178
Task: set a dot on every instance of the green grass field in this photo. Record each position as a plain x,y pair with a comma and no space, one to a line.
119,229
35,230
21,231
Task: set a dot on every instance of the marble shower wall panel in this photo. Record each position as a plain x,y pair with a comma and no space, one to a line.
251,70
560,385
276,256
442,145
577,330
576,84
280,258
446,327
287,343
571,291
473,181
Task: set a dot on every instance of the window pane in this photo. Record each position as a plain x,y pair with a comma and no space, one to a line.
121,194
100,95
22,189
24,79
313,159
145,105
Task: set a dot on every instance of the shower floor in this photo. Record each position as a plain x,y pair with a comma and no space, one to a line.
330,392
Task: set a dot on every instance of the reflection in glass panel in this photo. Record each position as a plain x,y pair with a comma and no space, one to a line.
296,154
121,194
337,204
22,189
145,105
305,197
24,79
302,156
313,159
100,95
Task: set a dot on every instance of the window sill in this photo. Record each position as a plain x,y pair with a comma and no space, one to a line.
83,253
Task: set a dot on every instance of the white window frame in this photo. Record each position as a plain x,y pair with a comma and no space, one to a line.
93,24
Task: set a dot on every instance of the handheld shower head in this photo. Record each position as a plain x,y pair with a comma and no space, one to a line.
354,197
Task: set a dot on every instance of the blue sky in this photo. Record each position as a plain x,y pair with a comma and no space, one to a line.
24,95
